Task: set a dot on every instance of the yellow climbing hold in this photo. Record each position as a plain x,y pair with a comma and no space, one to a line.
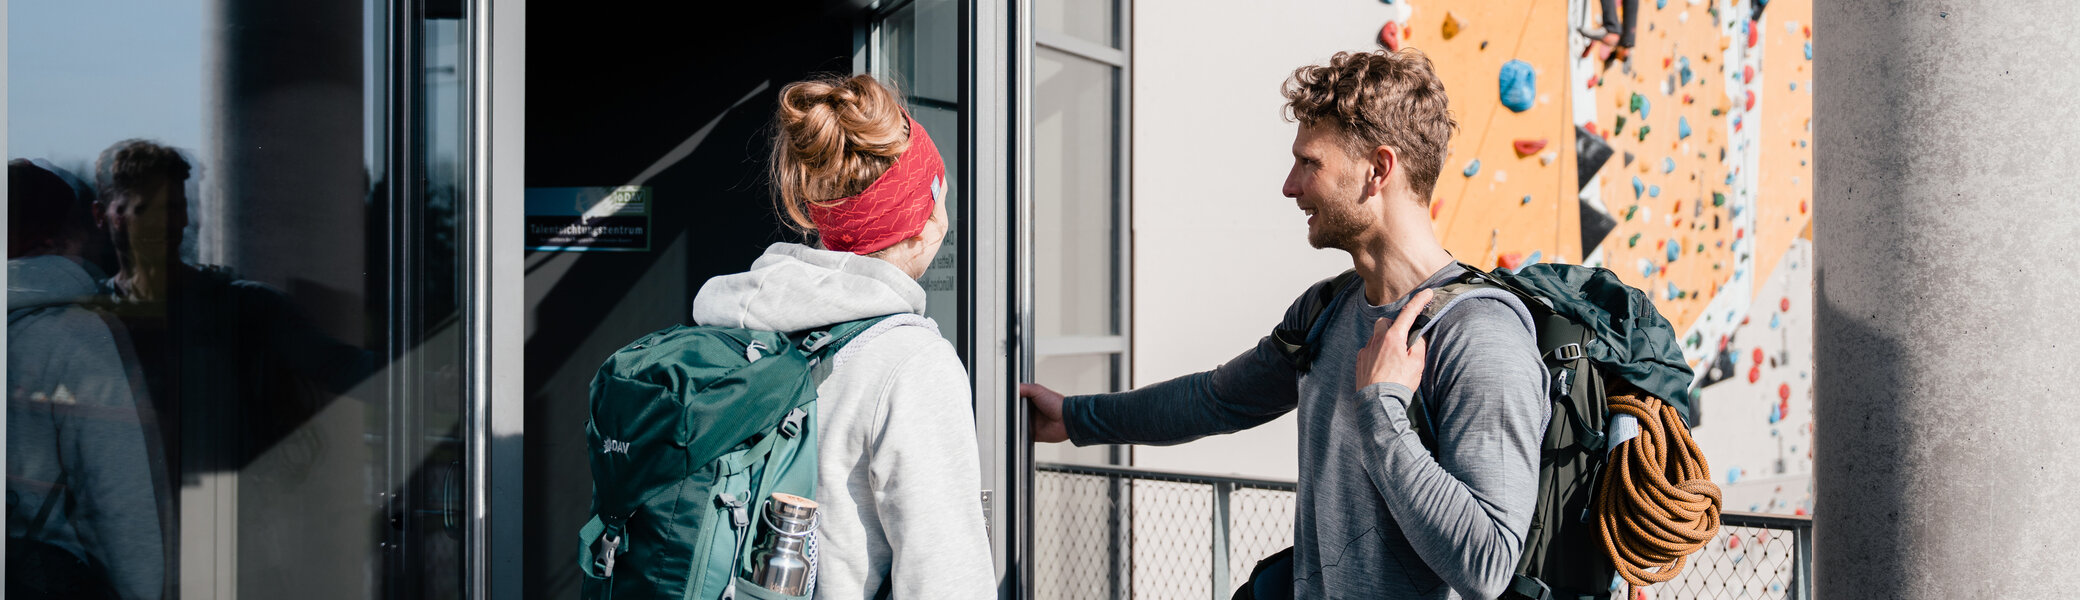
1451,25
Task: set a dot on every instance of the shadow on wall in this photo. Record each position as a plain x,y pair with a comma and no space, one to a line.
615,91
1860,372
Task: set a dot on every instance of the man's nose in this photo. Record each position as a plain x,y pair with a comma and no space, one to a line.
1291,189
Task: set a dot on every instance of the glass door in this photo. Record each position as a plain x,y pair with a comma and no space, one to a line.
237,309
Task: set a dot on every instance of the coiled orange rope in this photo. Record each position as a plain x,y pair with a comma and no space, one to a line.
1657,503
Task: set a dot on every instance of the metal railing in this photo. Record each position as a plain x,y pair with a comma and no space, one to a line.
1122,532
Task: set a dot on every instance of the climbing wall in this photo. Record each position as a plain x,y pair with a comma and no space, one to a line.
1494,203
1706,194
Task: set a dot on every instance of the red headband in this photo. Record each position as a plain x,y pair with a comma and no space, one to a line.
894,207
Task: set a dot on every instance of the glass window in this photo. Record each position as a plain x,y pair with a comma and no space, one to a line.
920,55
1076,177
1079,201
1089,20
234,340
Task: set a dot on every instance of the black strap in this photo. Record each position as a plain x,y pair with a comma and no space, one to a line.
1298,344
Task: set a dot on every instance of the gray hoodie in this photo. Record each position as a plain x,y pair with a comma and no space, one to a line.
74,427
898,474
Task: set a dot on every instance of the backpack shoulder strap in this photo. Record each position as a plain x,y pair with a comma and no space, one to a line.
1296,339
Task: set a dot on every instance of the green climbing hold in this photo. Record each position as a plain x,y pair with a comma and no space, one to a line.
1643,129
1638,101
1633,242
1619,129
1718,199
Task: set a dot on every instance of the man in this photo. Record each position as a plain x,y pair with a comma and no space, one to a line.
217,352
1379,514
83,485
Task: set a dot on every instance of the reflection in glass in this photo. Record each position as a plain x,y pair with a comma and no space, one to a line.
1075,182
237,373
1091,20
920,56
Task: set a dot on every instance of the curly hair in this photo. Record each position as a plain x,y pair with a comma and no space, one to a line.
1379,98
836,136
138,167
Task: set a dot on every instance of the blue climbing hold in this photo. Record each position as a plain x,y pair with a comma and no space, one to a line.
1674,250
1473,167
1685,71
1773,322
1673,293
1668,165
1654,191
1519,85
1527,200
1733,475
1729,179
1682,128
1534,258
1660,4
1809,51
1644,107
1637,187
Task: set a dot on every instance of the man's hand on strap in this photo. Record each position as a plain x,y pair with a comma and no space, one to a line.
1389,357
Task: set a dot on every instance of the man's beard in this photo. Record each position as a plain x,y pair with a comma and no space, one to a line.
1337,225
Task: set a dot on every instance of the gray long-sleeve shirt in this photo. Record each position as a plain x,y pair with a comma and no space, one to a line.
1379,515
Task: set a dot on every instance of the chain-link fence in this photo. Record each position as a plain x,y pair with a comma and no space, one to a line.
1117,532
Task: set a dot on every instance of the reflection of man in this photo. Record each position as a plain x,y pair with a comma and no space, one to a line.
1380,514
82,509
218,353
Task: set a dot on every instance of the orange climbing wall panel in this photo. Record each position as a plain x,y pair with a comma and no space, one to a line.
1485,215
1683,214
1785,189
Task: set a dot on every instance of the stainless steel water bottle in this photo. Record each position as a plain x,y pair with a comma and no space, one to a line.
782,562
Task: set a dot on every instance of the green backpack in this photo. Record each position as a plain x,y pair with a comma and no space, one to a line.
692,429
1596,334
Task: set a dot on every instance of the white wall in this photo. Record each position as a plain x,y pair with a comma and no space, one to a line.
1218,253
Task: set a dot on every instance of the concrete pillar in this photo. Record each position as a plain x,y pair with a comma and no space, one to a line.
1946,229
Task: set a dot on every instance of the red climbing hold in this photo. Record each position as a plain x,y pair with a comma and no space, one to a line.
1666,62
1592,82
1754,32
1784,304
1808,30
1784,392
1751,100
1754,374
1800,512
1758,355
1801,207
1390,37
1591,128
1688,100
1528,147
1740,233
1748,74
1509,261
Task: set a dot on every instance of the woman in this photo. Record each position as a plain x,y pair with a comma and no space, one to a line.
897,471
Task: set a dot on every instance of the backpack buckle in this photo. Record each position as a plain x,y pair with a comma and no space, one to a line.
793,425
816,341
609,546
1568,352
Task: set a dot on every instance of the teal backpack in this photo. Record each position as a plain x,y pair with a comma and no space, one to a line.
692,429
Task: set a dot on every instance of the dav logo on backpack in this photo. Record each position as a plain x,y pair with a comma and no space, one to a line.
614,446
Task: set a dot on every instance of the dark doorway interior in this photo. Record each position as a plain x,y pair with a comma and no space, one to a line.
678,97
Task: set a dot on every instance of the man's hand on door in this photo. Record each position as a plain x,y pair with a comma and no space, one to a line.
1047,413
